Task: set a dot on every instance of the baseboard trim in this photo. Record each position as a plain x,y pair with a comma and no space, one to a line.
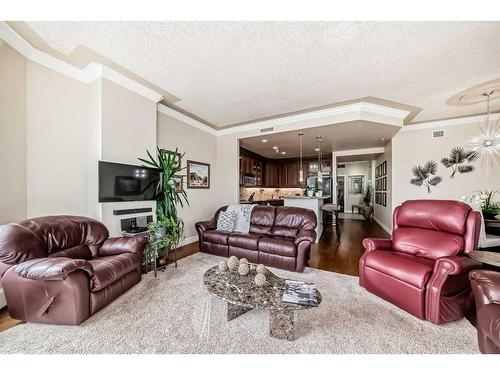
3,302
188,240
384,227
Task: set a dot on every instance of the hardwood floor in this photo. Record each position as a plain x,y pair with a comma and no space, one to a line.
328,254
342,256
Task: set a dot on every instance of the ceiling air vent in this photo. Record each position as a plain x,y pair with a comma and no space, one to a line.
267,130
438,134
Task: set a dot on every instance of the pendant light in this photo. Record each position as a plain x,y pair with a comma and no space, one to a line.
320,175
301,172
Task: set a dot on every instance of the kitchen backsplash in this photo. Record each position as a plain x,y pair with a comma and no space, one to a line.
269,193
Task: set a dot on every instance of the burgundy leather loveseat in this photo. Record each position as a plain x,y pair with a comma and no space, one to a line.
424,269
63,269
279,237
486,287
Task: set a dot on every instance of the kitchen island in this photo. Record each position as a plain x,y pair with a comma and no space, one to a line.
311,203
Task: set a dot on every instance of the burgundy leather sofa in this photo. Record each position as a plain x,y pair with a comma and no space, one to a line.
279,237
486,287
63,269
424,269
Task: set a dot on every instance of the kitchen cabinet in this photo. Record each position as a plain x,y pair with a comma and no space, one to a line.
283,174
292,178
272,174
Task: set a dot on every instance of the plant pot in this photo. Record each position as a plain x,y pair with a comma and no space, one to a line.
160,233
489,215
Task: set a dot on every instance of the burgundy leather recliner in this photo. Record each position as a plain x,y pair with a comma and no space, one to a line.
63,269
486,287
279,237
424,269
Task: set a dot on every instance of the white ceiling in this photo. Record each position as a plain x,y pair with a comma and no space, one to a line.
338,137
231,72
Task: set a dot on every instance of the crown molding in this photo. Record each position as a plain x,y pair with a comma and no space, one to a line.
449,122
86,75
186,119
350,112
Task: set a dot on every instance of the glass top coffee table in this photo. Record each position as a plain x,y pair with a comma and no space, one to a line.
242,295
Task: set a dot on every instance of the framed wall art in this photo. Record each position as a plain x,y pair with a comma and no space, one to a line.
198,175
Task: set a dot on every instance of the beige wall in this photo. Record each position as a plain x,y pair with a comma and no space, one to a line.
415,147
200,146
12,135
384,214
57,125
128,124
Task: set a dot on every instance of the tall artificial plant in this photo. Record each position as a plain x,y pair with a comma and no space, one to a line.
168,194
367,199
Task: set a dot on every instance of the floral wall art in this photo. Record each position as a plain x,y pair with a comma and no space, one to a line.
426,175
459,160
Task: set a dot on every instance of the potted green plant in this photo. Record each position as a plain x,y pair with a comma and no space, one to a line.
168,228
489,207
367,200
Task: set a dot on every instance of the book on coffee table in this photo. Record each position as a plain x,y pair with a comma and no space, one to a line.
300,293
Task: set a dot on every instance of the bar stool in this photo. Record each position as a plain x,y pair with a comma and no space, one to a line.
333,209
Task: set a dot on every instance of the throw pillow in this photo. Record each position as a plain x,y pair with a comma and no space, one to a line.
226,221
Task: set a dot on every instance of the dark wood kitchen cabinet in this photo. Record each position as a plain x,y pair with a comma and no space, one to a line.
292,177
272,174
283,174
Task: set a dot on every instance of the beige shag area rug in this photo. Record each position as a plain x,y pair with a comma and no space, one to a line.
173,313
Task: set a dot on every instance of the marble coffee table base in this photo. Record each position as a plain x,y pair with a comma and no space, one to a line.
233,311
281,324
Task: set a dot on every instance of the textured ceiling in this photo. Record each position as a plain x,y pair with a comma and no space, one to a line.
231,72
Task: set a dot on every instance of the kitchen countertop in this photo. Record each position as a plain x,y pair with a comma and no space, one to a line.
306,197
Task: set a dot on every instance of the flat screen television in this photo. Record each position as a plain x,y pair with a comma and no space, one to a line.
125,182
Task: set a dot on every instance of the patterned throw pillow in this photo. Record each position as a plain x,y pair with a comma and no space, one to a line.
226,221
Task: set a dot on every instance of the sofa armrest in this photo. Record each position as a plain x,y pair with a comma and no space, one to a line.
206,225
52,268
371,244
444,268
120,245
486,286
305,235
455,265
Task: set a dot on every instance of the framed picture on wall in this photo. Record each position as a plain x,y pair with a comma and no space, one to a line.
377,172
179,183
356,184
384,168
384,183
384,199
176,154
198,175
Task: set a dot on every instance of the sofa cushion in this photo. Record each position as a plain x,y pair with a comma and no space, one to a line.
488,319
410,269
277,246
109,269
262,219
447,216
426,243
75,252
244,241
216,236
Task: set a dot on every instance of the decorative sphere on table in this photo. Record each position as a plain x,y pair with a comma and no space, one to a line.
233,263
223,265
243,269
261,269
260,279
243,260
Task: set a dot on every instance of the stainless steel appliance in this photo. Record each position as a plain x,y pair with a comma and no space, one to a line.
325,186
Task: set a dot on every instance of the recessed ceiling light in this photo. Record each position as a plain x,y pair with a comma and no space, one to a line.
277,151
283,153
316,149
382,139
264,141
275,147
